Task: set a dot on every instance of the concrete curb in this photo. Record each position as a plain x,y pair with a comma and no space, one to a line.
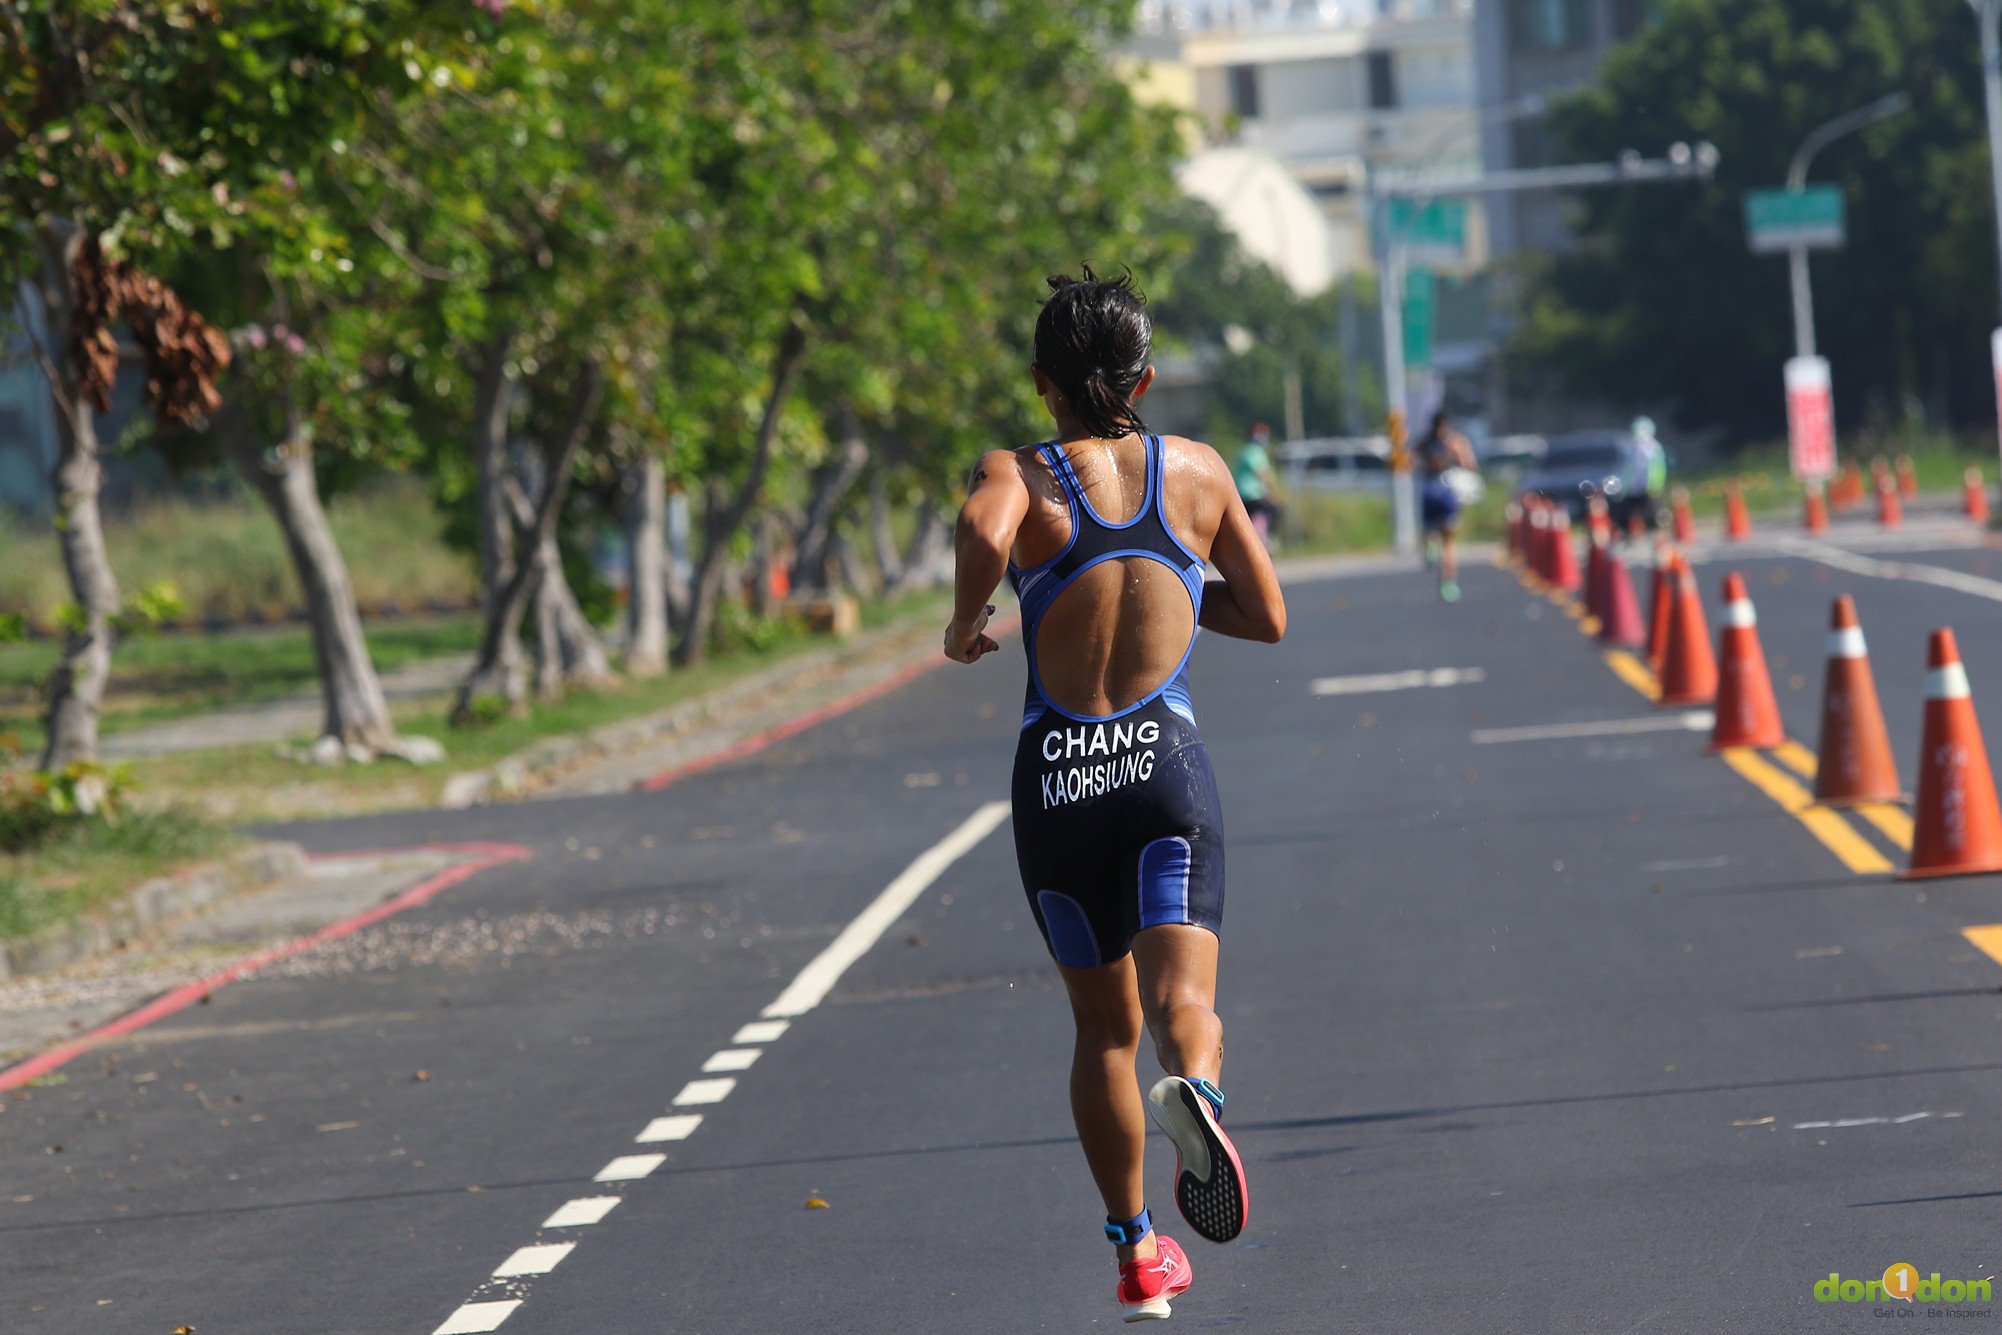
147,906
521,772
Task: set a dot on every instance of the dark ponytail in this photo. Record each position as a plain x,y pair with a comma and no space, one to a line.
1094,342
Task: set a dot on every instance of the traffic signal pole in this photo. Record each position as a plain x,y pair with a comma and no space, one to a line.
1681,164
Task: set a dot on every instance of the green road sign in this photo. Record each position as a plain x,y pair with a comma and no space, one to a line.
1420,301
1433,228
1782,219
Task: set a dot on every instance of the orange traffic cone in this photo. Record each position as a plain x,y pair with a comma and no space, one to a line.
1513,518
1747,713
1908,478
1599,537
1890,510
1816,517
1538,523
1688,669
1880,468
1856,763
1849,487
1685,522
1636,523
1563,560
1737,524
1619,613
1661,605
1957,827
1975,502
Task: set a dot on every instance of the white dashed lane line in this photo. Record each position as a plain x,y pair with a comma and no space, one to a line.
487,1310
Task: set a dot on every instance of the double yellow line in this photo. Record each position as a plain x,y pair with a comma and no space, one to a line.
1826,824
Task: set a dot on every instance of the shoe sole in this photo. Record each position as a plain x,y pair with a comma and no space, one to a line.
1209,1178
1154,1309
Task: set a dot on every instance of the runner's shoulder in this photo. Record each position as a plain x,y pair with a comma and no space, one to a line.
1000,466
1198,457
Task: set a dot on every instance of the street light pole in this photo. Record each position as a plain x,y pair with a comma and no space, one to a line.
1821,137
1988,13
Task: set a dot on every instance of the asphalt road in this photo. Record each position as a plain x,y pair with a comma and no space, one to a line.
1541,1035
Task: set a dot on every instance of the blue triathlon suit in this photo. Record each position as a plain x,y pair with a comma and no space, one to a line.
1439,504
1117,822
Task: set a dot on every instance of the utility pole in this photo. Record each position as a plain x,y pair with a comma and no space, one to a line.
1682,163
1988,14
1803,294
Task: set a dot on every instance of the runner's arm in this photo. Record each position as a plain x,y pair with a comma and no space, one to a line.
995,506
1246,603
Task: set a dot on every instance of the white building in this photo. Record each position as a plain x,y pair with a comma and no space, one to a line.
1336,90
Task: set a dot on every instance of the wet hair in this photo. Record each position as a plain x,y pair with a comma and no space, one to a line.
1094,342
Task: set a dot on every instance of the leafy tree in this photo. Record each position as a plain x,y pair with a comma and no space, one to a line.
1662,303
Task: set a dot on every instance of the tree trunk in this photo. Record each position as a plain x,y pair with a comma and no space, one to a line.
851,573
927,562
489,674
723,521
493,405
644,490
567,647
355,714
679,568
579,652
76,687
889,564
831,484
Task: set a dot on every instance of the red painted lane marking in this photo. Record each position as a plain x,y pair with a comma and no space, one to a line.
484,855
815,717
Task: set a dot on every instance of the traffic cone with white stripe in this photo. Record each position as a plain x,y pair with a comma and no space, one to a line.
1856,762
1957,826
1849,487
1747,712
1688,668
1661,605
1737,523
1890,510
1684,520
1908,478
1815,519
1537,525
1619,612
1513,514
1563,559
1975,499
1599,536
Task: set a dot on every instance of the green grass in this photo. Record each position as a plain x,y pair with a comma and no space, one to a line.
1323,523
171,675
1768,486
226,558
248,783
89,862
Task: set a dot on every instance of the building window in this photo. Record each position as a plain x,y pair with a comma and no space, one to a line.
1382,81
1548,25
1630,16
1244,91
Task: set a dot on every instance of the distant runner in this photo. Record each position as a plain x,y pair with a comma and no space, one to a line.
1106,533
1442,450
1256,483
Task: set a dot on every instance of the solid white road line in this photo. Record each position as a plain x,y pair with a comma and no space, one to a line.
1416,678
584,1210
704,1091
1695,720
537,1260
804,993
818,978
629,1167
473,1318
669,1128
1939,576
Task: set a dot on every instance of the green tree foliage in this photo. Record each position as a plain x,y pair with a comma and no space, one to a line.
1662,302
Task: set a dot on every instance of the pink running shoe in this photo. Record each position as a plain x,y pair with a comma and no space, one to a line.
1209,1179
1146,1285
